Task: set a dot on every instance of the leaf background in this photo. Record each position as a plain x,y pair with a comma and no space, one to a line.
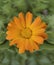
9,9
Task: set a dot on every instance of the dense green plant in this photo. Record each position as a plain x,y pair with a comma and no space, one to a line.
9,9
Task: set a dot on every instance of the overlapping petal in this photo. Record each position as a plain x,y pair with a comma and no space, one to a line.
28,19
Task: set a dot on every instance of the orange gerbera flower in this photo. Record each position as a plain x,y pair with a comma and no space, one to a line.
27,35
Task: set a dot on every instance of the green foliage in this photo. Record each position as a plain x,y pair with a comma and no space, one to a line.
8,57
50,31
37,6
2,36
51,37
1,22
50,20
51,7
20,5
9,9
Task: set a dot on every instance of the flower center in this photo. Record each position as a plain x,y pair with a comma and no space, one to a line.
26,33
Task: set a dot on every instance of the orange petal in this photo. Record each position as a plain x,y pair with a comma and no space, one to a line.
21,45
26,44
13,30
11,35
44,35
38,31
33,46
11,25
22,19
17,22
43,25
36,47
28,19
36,23
8,37
21,50
12,42
30,45
38,39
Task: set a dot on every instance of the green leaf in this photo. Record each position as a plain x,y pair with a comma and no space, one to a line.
11,58
20,5
44,57
51,7
1,22
7,9
2,36
50,20
36,6
50,30
47,46
51,37
41,58
4,46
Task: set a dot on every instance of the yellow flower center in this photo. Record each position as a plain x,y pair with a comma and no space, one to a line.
26,33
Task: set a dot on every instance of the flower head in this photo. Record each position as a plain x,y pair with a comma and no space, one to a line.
27,35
